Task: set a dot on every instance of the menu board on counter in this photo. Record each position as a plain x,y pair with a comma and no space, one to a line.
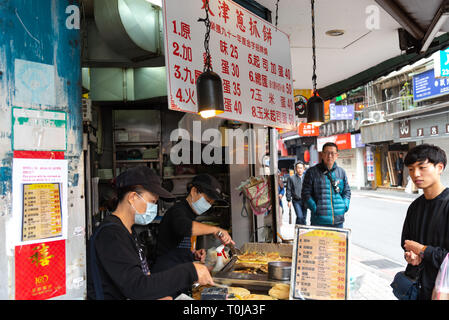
41,211
252,57
320,267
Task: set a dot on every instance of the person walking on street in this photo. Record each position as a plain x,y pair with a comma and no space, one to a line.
425,234
326,191
294,189
281,190
400,168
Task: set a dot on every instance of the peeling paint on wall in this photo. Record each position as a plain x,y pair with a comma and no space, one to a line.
34,33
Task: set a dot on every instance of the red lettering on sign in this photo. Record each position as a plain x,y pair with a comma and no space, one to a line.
267,34
240,25
224,10
253,28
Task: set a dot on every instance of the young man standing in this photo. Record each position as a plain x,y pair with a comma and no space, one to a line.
425,234
294,188
326,190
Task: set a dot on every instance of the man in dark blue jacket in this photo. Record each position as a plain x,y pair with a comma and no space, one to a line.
326,190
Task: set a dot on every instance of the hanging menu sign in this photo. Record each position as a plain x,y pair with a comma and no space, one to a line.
320,263
41,211
251,56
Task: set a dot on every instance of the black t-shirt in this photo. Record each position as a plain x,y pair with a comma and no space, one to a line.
427,222
173,243
124,271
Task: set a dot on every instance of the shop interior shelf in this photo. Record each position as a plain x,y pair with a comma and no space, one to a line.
139,143
137,161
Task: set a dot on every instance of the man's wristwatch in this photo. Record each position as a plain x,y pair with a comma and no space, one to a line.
421,253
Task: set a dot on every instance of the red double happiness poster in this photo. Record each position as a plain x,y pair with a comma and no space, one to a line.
40,270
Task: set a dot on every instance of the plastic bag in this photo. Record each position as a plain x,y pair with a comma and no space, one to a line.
257,190
441,289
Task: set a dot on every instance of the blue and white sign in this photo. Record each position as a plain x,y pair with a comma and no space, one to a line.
358,140
425,86
341,112
441,63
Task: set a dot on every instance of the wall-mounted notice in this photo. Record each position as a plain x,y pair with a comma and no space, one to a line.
320,268
40,200
40,271
250,54
41,211
39,130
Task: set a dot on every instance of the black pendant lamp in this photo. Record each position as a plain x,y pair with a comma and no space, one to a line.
209,87
315,105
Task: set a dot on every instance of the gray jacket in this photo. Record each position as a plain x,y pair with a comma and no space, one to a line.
294,187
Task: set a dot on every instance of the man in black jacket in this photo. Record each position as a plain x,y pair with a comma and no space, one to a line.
425,234
294,188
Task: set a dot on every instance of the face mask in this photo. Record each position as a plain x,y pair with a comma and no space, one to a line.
146,217
200,206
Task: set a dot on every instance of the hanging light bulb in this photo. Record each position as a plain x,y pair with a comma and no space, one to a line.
209,87
315,105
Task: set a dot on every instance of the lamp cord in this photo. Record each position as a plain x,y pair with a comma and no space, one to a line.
313,47
277,11
207,63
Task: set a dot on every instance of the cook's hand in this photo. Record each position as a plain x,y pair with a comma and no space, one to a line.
204,277
412,258
200,255
413,246
225,238
289,204
166,298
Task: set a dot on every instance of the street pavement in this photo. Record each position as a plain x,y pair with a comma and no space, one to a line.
370,272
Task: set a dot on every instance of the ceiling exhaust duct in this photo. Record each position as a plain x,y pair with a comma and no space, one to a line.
132,28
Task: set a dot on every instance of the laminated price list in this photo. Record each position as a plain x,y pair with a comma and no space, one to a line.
41,211
321,261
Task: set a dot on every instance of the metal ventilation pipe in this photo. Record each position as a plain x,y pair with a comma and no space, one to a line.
132,28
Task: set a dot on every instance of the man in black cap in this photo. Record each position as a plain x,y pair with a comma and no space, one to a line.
117,266
178,225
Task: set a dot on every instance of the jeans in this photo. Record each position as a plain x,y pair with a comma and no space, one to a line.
301,212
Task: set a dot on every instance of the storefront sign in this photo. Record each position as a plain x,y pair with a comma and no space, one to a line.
357,140
341,112
434,130
426,86
405,130
40,271
251,56
420,132
370,163
308,130
441,63
40,200
320,266
343,141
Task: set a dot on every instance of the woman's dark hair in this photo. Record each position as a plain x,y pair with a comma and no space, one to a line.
425,152
120,193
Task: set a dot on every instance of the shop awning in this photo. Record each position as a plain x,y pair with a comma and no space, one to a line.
371,45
